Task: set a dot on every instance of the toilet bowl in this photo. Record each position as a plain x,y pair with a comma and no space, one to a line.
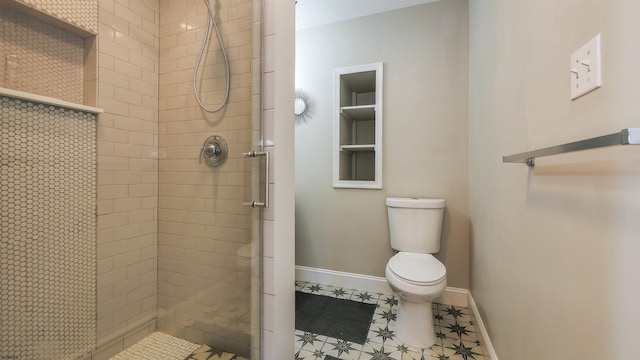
417,280
414,274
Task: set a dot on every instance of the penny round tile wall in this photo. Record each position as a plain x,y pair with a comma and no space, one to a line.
39,58
47,231
79,13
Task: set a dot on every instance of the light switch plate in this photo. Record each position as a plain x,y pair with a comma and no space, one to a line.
586,74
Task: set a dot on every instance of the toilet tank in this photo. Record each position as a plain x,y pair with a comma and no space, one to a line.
415,225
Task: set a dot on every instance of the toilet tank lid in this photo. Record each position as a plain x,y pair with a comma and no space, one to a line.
416,203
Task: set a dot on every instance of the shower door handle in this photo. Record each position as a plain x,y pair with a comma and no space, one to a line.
253,154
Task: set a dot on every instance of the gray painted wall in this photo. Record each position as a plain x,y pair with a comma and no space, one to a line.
425,55
554,250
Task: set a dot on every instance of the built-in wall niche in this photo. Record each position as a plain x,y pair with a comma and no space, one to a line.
46,55
357,127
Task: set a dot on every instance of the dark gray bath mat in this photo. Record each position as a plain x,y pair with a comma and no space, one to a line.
336,318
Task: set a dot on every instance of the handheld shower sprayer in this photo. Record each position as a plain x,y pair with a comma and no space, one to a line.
211,19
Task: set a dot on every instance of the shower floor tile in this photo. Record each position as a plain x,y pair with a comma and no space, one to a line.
158,346
457,338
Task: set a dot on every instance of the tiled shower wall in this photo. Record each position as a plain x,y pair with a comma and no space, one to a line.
78,13
205,249
127,171
47,231
127,165
38,58
278,223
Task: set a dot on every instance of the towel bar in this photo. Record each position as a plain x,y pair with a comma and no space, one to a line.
629,136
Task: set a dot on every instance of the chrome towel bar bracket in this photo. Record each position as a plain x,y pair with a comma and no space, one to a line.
629,136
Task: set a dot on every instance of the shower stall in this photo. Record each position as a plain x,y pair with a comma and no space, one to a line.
208,239
113,224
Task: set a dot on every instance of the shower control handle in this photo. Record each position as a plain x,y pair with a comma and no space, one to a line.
253,154
214,151
211,150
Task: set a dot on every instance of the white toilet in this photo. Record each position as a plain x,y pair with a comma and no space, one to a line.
416,276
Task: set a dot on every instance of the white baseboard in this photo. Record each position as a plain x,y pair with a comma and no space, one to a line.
485,341
451,295
454,296
343,279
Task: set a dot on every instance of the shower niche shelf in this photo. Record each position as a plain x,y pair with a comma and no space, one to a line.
38,12
357,127
67,72
46,100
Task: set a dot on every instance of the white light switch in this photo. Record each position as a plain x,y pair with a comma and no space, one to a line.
585,69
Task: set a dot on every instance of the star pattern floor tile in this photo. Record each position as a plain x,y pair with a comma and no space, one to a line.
160,346
457,338
206,352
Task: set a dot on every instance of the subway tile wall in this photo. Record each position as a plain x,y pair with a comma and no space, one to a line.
278,132
39,58
268,70
144,86
127,172
205,233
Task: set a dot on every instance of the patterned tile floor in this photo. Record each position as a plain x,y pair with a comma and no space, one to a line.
456,334
206,352
158,346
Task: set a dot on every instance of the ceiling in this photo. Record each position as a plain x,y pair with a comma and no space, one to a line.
312,13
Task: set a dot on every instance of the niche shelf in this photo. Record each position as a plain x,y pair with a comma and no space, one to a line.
36,11
357,127
70,64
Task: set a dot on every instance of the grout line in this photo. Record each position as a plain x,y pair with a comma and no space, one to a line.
157,346
440,322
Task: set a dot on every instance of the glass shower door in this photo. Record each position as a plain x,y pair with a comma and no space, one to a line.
208,240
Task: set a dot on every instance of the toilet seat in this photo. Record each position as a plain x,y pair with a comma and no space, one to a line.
417,269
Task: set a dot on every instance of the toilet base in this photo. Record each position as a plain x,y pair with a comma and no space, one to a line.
414,325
